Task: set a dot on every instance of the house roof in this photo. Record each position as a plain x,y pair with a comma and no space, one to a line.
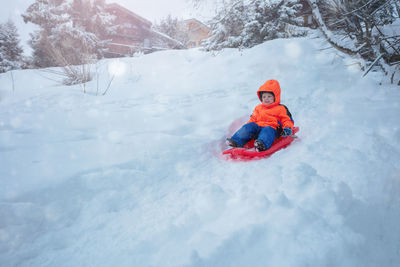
194,25
201,24
115,6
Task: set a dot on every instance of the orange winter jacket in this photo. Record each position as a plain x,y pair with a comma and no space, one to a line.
273,114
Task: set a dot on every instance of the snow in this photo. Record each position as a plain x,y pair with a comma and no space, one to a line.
117,68
135,177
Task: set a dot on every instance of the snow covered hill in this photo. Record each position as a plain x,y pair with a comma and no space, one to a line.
136,178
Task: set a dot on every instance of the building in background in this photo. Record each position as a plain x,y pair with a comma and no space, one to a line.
134,34
196,32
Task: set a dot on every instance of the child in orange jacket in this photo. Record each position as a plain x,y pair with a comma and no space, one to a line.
265,120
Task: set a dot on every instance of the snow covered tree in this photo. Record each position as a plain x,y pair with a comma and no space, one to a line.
10,49
69,31
174,28
227,26
240,23
368,29
168,26
101,22
273,18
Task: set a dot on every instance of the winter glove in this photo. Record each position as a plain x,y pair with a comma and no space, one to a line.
287,132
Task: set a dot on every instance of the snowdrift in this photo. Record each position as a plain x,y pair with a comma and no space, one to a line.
133,178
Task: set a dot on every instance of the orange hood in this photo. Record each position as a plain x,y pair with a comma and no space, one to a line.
271,86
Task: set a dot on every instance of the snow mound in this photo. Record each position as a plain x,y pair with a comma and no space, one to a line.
135,178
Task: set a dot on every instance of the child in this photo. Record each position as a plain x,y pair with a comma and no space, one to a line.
265,120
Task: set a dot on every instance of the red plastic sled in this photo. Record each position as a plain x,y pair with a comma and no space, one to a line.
246,154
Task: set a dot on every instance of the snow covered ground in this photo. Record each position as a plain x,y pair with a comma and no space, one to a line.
136,178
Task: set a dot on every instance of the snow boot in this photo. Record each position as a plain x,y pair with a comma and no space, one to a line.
259,145
231,143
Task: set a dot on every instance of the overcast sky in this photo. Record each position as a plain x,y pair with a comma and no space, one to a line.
153,10
156,9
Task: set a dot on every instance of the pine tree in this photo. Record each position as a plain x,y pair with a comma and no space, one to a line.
101,22
227,26
242,23
10,49
69,32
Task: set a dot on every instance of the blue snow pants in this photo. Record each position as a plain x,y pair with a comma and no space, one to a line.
252,131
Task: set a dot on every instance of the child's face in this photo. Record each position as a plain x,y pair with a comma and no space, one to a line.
268,98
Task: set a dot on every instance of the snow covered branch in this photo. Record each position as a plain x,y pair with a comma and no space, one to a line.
348,47
367,29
